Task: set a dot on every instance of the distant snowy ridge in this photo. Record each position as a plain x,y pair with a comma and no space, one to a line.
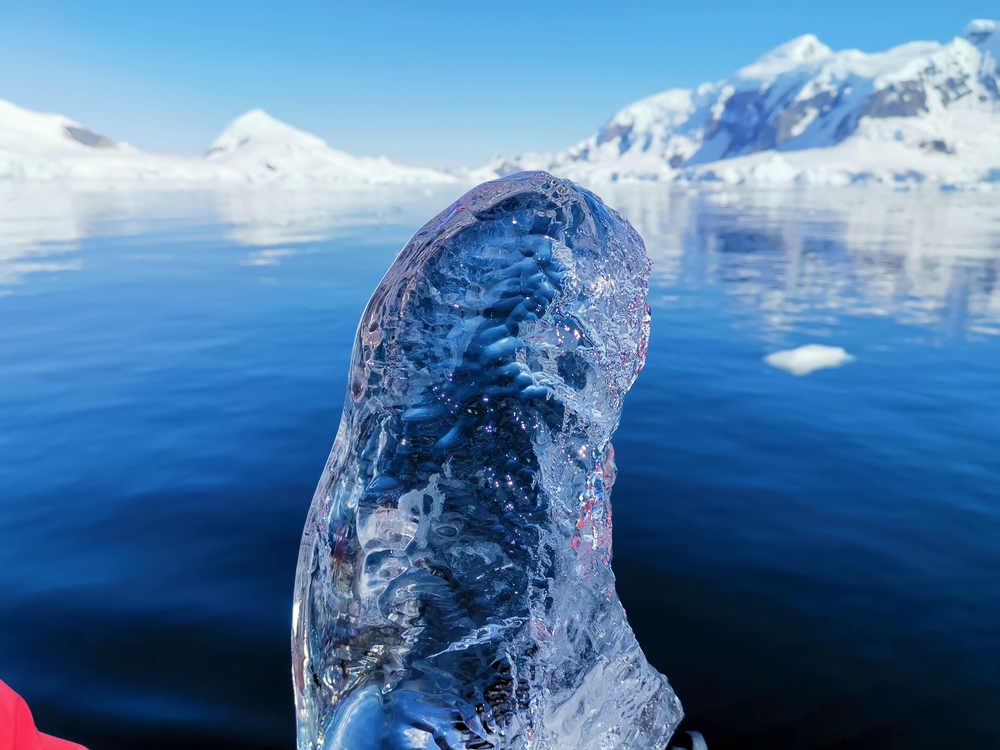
920,113
26,128
253,149
268,150
37,147
802,113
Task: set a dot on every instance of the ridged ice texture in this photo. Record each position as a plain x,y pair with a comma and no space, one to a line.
454,586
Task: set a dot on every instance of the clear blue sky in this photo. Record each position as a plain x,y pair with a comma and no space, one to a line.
423,82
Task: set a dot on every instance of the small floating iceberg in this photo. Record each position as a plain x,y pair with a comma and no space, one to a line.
693,741
808,358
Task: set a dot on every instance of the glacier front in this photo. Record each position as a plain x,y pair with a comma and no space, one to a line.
454,587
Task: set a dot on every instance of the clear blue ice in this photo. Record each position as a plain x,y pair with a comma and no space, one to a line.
454,585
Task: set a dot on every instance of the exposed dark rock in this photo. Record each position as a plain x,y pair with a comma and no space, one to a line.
617,131
937,145
753,126
89,137
954,89
908,99
979,36
743,111
780,129
992,83
845,127
897,100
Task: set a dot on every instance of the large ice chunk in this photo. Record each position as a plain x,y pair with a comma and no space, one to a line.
454,585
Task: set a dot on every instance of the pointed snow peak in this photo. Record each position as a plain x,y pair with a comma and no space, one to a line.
803,48
267,150
799,51
259,122
257,118
979,30
257,127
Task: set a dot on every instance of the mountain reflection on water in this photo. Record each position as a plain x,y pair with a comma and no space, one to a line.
802,258
812,561
928,258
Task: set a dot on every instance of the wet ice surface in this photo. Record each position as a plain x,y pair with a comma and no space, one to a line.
812,560
454,587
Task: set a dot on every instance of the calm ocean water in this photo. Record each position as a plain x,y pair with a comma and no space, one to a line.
814,561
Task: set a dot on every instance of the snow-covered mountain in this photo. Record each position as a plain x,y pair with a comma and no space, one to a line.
268,150
254,148
37,147
923,111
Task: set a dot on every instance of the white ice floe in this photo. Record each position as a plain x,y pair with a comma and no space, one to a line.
808,358
270,257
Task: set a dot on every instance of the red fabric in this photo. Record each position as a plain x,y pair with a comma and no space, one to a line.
17,728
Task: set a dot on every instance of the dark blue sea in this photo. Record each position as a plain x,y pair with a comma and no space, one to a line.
813,560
